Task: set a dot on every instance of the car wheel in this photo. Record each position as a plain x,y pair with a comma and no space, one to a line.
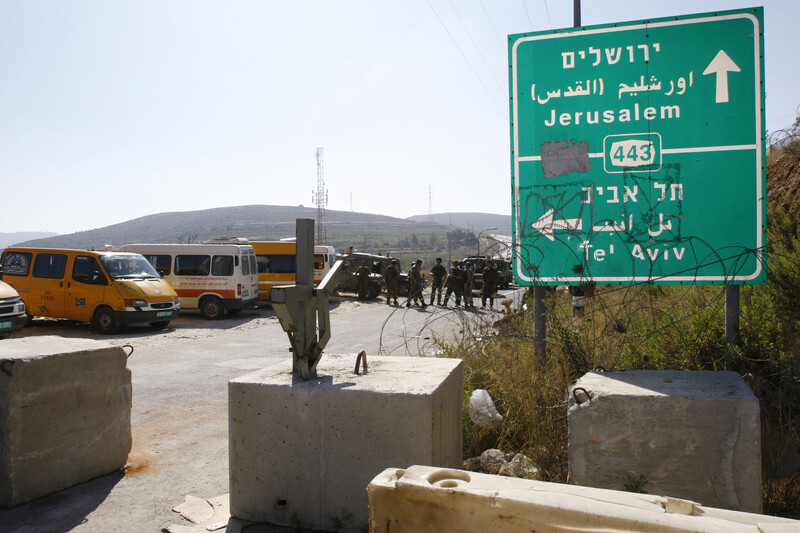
211,308
105,321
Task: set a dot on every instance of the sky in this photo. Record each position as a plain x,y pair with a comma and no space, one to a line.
111,111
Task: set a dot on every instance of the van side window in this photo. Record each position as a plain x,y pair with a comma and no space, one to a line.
277,264
262,264
192,265
222,265
162,263
86,270
245,266
49,266
16,263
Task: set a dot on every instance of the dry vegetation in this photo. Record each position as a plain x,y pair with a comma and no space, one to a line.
656,327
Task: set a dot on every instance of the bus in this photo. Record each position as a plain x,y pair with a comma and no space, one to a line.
277,265
216,277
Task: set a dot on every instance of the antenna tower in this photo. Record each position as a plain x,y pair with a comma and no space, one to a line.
320,197
430,204
351,201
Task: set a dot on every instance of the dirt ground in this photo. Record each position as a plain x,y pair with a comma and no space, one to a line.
179,415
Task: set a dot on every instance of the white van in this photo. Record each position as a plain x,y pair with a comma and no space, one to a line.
215,277
12,311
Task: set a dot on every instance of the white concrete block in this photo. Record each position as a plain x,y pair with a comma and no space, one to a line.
692,435
303,452
65,414
423,499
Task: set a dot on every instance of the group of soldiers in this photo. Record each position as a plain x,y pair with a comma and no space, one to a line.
458,281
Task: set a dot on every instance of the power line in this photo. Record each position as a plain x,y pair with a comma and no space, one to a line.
489,94
527,14
499,40
499,86
546,10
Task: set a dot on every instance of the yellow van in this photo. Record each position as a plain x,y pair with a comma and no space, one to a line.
12,311
106,289
277,265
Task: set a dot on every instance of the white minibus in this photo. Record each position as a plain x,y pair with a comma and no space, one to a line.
216,277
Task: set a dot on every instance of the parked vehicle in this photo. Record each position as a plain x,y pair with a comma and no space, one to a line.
277,264
503,268
216,277
12,311
377,264
107,289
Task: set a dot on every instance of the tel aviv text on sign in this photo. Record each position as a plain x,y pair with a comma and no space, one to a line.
638,152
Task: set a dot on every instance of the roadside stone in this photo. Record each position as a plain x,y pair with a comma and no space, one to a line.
492,461
472,464
513,468
519,466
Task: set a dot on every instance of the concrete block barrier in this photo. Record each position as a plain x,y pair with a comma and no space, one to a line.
65,413
691,435
424,499
303,452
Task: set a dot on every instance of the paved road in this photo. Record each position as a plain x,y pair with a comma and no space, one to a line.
179,414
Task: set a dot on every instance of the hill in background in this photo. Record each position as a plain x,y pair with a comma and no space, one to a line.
475,222
7,239
343,229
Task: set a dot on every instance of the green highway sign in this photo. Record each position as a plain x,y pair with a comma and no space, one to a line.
638,152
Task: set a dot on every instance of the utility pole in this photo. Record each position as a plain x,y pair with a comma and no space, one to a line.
320,197
539,292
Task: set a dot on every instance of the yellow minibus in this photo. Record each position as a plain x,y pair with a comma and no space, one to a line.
277,264
107,289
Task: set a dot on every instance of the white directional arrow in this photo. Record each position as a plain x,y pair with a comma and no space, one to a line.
721,65
546,225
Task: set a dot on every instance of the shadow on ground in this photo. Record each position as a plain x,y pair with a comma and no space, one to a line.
62,511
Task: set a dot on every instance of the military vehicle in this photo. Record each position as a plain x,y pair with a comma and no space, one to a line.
503,268
377,264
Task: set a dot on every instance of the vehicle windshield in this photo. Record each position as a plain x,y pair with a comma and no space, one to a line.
128,267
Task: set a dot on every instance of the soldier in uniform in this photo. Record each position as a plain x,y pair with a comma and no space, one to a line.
490,279
455,284
469,271
363,280
438,272
415,285
391,276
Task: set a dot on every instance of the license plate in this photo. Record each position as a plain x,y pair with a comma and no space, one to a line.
164,313
5,324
